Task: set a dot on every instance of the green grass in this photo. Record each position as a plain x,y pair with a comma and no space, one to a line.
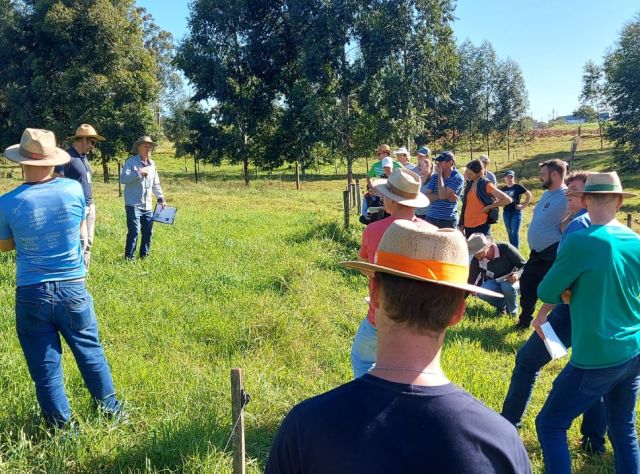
247,277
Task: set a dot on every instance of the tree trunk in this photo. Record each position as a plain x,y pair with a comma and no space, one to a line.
600,129
195,167
508,145
297,175
349,170
105,169
245,159
488,150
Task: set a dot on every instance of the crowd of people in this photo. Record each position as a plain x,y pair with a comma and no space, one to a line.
424,255
422,259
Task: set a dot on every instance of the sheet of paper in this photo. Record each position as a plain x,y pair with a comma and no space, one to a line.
551,341
164,215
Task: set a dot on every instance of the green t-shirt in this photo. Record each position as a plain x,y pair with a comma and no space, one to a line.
376,169
601,267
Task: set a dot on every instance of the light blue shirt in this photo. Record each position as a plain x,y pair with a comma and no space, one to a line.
544,229
138,188
44,222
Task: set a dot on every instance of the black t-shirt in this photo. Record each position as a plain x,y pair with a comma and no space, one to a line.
514,192
374,426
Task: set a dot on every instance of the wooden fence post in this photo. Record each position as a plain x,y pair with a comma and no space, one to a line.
297,176
119,183
358,197
237,419
629,221
345,201
195,167
352,191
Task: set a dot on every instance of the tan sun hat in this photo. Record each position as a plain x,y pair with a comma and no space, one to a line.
478,242
87,131
37,147
385,148
421,253
602,183
140,141
403,187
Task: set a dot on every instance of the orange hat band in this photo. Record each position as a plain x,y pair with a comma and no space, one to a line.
429,269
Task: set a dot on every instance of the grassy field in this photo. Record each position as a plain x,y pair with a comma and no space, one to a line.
247,277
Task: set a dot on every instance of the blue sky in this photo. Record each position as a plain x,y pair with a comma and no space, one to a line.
550,39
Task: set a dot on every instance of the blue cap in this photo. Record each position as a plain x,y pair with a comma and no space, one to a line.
423,151
509,173
446,156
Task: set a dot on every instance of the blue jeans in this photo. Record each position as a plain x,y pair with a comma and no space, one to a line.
512,220
574,391
531,357
44,312
364,349
138,219
510,292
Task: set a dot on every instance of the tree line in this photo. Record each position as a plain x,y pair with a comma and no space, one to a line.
271,81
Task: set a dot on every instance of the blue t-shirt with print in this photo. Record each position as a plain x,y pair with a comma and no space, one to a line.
44,222
443,208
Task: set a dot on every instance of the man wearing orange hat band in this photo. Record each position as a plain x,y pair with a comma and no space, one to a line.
78,168
405,415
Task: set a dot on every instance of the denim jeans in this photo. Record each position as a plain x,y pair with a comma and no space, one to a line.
573,392
138,219
512,220
530,359
45,311
510,292
363,350
534,271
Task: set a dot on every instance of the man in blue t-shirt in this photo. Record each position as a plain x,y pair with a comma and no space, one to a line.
443,190
78,168
404,415
44,220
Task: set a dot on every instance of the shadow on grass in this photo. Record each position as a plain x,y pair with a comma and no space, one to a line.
186,448
346,239
490,339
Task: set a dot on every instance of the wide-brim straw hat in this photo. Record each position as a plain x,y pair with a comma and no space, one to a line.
423,253
140,141
478,242
87,131
403,187
602,183
37,147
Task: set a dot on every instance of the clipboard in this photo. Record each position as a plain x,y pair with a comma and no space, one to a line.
166,215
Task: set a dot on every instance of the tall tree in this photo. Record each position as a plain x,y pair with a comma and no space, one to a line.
70,61
216,58
511,100
593,91
622,70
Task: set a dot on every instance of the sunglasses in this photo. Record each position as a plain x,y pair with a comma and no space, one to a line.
93,141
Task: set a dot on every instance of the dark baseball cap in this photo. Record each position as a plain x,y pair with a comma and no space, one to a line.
510,173
446,156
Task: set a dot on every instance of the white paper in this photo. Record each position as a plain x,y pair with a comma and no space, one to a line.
551,341
164,215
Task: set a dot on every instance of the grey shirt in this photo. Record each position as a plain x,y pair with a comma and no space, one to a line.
544,229
138,188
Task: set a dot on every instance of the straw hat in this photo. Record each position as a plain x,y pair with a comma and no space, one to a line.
140,141
403,187
421,253
37,147
87,131
384,148
602,183
478,242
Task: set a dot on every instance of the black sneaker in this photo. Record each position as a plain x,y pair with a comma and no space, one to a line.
521,327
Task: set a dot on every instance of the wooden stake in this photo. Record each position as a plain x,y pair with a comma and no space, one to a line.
358,196
629,221
237,420
297,176
345,201
119,183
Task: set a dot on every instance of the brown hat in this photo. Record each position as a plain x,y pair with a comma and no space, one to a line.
423,253
140,141
87,131
37,147
602,183
383,148
403,187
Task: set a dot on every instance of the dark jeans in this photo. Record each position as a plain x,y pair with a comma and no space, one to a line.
442,223
534,271
512,220
44,312
481,229
531,357
138,219
574,391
